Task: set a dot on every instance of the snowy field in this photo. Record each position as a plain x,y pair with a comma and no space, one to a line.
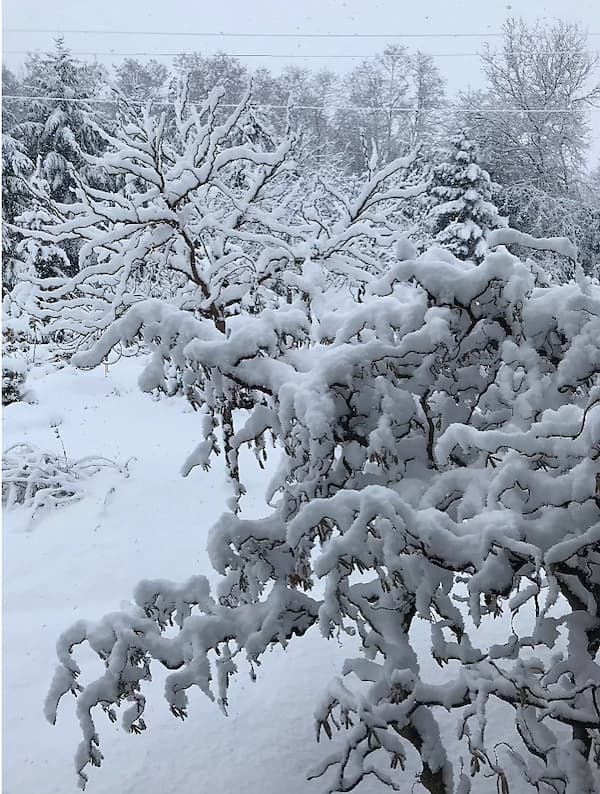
83,560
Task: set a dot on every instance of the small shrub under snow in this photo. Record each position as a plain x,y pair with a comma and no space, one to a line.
41,479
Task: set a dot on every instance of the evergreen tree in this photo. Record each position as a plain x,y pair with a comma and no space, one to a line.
58,130
54,139
461,193
11,104
16,168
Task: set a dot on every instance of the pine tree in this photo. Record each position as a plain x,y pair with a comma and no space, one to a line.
461,193
58,133
59,129
11,104
16,168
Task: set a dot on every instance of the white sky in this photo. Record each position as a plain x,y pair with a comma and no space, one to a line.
258,17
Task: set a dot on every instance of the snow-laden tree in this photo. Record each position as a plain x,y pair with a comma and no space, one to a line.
188,212
536,212
141,81
18,194
17,167
203,73
211,218
12,103
439,461
533,129
390,100
461,195
357,222
539,73
58,128
16,197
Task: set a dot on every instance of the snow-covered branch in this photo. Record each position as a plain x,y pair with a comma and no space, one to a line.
437,438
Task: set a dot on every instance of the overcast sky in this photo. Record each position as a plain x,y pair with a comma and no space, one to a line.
456,57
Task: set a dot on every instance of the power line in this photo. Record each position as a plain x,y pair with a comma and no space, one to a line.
432,108
222,34
113,53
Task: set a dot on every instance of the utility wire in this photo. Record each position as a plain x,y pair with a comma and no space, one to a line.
112,100
235,54
113,53
223,34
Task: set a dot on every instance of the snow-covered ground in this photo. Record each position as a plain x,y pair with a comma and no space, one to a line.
83,560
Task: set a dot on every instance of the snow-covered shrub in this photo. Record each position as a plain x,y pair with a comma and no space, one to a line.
18,352
440,459
39,479
13,380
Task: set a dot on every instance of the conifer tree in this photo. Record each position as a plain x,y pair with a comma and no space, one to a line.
16,168
60,128
461,193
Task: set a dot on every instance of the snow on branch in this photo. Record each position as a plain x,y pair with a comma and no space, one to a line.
439,441
558,245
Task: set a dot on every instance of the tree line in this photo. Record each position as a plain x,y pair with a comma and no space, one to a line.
530,127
